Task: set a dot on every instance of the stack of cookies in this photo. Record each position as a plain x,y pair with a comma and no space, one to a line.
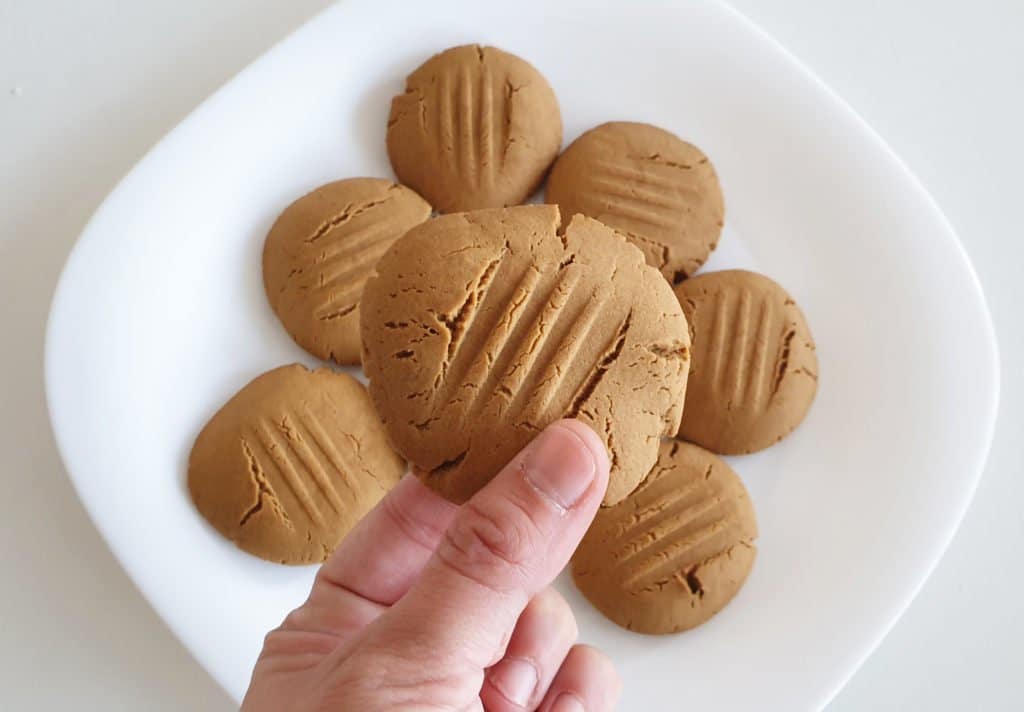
481,325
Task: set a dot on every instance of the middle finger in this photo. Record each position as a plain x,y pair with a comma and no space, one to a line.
543,635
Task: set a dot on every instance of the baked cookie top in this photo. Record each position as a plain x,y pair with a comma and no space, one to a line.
320,252
475,128
291,462
675,551
754,372
647,183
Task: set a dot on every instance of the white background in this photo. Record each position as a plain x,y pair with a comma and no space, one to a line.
87,88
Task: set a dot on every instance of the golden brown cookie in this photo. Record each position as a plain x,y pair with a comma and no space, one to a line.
674,552
482,328
754,371
475,128
289,465
322,249
647,183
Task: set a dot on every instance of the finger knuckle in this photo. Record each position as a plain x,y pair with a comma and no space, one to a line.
421,532
493,546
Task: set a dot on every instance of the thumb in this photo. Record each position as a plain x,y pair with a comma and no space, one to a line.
504,545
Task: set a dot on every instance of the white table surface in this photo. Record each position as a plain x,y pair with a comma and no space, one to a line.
87,88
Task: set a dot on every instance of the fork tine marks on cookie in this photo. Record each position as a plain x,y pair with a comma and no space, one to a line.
713,352
559,364
344,300
462,327
444,119
360,266
286,470
467,144
620,191
348,244
759,370
605,360
549,329
631,174
318,434
640,212
737,369
315,464
690,516
680,554
507,106
492,365
485,134
670,504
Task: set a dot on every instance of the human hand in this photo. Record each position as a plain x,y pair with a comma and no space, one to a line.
430,606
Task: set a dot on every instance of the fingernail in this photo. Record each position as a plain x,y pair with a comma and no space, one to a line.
559,465
514,678
567,702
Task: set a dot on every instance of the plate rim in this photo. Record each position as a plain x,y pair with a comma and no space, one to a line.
950,234
935,551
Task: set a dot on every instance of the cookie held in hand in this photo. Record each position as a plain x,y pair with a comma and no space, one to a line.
482,328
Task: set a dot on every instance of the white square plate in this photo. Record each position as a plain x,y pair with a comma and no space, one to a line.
160,316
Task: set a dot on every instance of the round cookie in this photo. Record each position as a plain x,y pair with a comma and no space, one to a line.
674,552
482,328
322,249
289,465
476,128
647,183
754,372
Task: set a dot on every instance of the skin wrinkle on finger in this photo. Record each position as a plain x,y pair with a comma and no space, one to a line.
517,698
332,607
501,650
285,646
480,543
329,614
424,532
384,680
511,529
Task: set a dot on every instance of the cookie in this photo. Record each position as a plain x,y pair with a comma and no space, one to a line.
289,465
476,128
320,252
754,371
647,183
674,552
482,328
